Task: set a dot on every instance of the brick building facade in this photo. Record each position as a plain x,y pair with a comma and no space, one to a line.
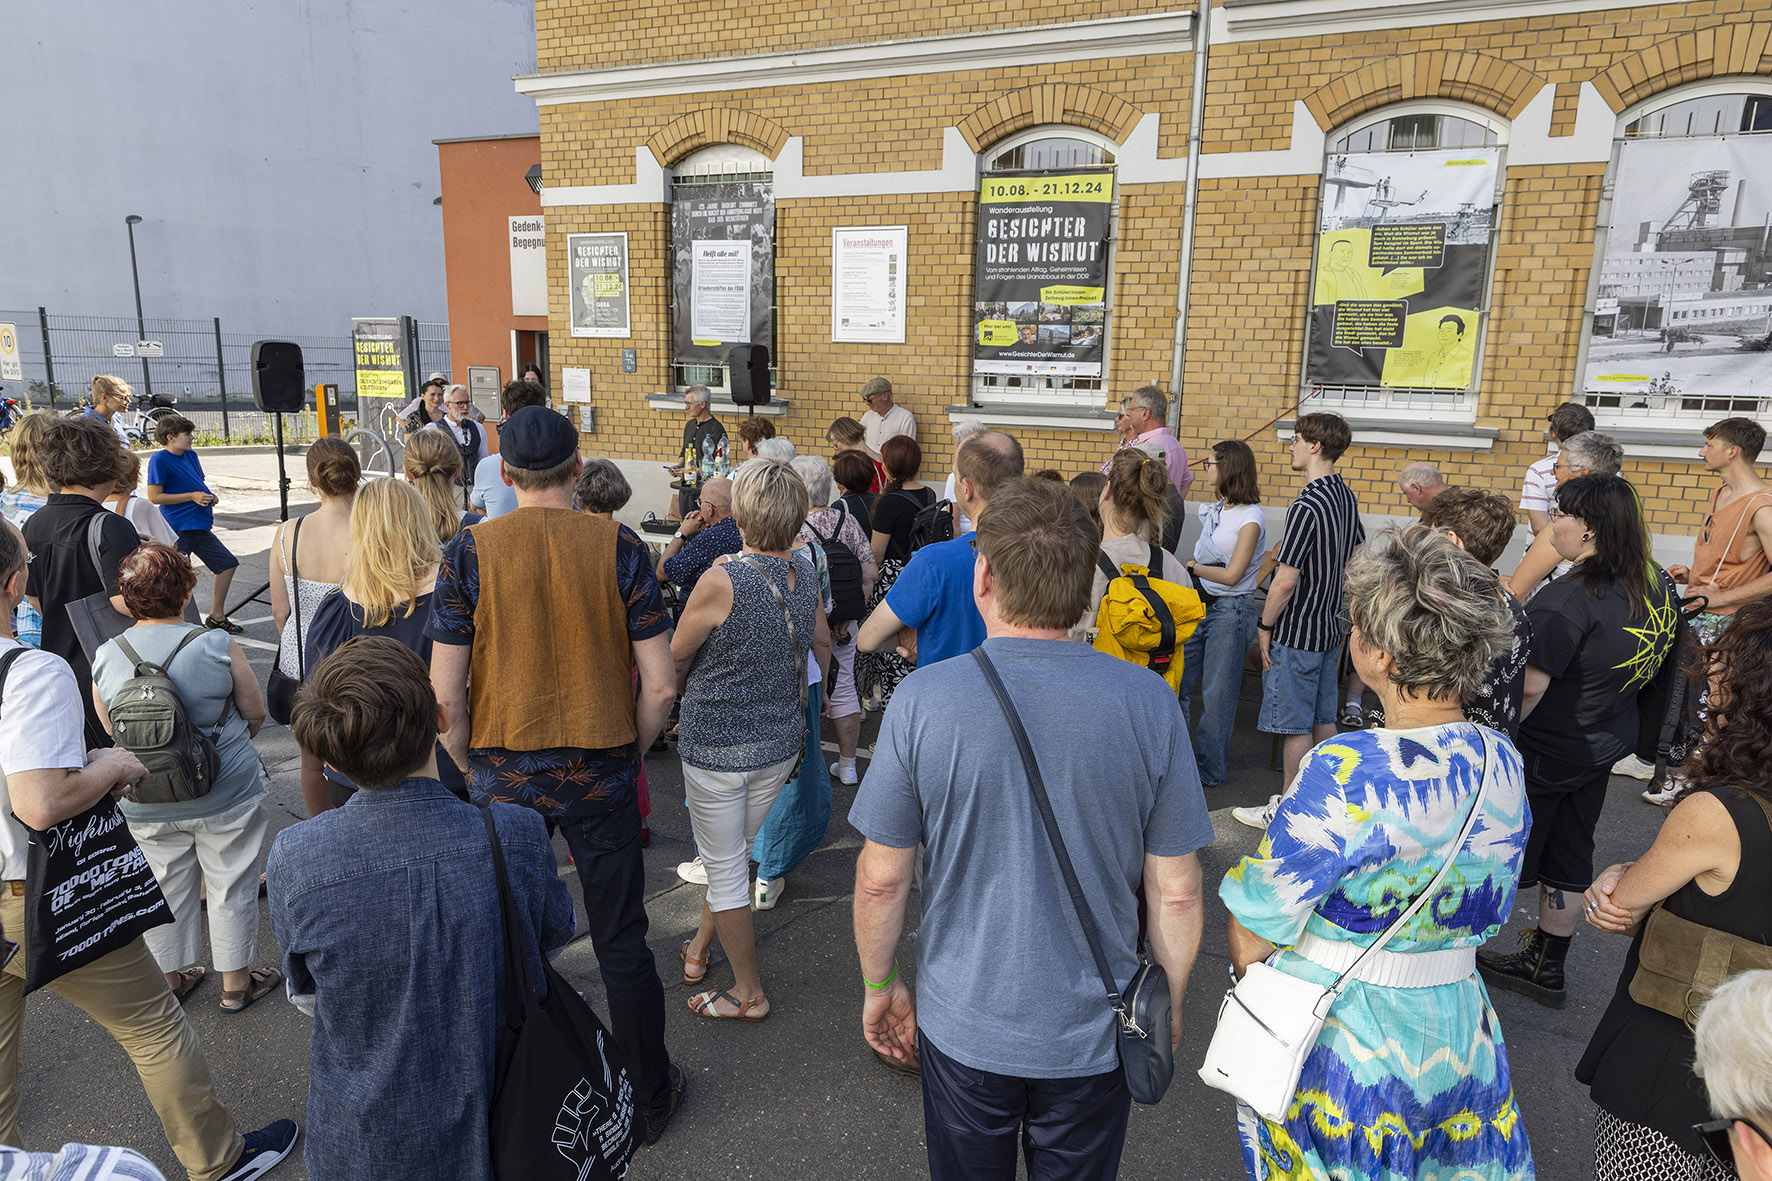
885,115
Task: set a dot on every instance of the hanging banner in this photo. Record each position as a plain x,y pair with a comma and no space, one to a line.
1042,272
597,274
1685,295
529,265
379,354
723,268
867,283
1402,252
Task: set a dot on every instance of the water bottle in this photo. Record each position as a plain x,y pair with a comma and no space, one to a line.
707,459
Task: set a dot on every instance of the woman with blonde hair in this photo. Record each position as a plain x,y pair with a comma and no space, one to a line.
740,651
433,462
386,591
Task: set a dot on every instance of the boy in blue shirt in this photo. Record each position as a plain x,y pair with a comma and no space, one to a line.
175,483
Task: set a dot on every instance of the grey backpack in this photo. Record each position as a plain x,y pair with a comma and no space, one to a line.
149,720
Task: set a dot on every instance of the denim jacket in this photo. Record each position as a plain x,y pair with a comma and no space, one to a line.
387,913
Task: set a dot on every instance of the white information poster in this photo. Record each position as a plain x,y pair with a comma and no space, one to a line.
575,385
529,266
867,283
720,290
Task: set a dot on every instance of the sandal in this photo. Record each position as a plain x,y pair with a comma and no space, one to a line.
702,1005
690,961
188,980
263,981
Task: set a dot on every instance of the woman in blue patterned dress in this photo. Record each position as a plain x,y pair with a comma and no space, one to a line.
1404,1081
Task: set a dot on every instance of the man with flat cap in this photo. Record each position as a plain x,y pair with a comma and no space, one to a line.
883,420
538,617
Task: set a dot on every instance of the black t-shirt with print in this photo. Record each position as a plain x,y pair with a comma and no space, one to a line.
1600,654
1498,699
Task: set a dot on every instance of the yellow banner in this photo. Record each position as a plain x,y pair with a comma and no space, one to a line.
996,333
1015,189
1071,295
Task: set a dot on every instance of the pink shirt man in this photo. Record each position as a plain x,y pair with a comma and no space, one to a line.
1174,455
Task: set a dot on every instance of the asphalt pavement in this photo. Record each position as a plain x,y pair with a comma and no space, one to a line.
799,1096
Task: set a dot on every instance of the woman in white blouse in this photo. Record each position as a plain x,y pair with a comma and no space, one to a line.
1225,566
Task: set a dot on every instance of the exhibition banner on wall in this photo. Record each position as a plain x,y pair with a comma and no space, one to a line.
723,268
1402,251
1042,272
379,356
597,275
1685,294
867,283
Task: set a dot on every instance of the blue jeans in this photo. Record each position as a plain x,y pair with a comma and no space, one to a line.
1069,1128
1215,654
797,821
606,849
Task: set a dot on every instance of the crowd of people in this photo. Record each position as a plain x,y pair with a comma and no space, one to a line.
1488,713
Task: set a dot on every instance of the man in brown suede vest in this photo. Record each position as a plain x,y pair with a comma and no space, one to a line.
538,620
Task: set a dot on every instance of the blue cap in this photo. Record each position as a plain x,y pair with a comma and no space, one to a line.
536,438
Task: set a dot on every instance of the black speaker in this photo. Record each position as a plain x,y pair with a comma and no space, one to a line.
279,385
747,372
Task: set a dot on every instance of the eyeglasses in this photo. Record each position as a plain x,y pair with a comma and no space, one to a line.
1715,1134
1557,514
453,402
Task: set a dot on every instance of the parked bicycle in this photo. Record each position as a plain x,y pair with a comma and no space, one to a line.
11,410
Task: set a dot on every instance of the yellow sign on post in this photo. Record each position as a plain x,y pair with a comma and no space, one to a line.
326,406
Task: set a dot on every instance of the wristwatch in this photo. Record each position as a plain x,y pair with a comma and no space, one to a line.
679,535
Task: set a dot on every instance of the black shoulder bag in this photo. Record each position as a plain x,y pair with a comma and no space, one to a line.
280,690
562,1104
1141,1010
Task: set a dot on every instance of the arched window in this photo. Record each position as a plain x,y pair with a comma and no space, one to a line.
721,193
1680,313
1403,260
1043,275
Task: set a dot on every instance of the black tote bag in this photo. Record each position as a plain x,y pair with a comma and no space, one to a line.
562,1102
88,888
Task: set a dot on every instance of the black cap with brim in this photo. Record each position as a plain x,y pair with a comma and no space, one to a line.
536,438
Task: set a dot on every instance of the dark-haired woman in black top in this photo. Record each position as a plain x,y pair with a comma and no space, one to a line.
894,513
1711,864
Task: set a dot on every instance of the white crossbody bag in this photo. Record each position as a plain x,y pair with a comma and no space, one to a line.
1269,1021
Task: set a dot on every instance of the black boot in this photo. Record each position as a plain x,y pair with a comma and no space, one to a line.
1536,970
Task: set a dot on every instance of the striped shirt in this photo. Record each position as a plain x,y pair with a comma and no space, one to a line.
1322,529
76,1162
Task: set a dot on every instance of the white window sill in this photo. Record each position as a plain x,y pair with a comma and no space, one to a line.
1374,431
722,407
1034,414
1675,440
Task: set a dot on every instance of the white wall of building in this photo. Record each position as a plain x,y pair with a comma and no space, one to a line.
278,151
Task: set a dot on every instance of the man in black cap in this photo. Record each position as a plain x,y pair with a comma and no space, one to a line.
550,609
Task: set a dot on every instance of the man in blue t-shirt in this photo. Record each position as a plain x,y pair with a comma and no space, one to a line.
929,613
998,1047
175,483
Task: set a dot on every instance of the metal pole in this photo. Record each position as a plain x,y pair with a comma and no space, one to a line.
1190,207
221,377
141,327
48,357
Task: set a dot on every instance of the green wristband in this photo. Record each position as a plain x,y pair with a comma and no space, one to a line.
884,984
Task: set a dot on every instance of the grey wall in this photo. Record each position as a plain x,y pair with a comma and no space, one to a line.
279,152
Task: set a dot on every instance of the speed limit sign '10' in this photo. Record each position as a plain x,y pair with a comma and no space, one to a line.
11,368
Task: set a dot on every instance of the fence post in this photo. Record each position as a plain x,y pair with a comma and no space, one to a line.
48,357
221,378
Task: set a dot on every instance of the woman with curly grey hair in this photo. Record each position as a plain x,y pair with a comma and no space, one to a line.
1412,1051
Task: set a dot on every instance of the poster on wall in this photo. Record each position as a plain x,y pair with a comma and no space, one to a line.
1685,294
1402,252
379,357
1042,272
867,283
723,268
597,276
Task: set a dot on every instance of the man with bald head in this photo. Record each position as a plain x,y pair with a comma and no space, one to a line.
1421,482
933,596
701,538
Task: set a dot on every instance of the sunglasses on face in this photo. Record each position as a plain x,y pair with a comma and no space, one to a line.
1715,1134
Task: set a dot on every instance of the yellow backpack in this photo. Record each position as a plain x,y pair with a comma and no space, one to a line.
1144,618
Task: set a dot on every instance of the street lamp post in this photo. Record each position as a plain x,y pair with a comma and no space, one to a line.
141,327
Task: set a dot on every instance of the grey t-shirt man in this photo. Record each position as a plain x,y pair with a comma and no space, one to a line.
1117,762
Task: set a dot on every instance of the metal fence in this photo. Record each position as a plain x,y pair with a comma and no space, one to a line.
207,369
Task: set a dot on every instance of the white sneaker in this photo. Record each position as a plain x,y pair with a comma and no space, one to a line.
848,778
1635,768
1669,792
1257,817
767,892
693,872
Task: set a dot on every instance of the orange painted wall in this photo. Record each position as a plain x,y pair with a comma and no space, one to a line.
483,188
